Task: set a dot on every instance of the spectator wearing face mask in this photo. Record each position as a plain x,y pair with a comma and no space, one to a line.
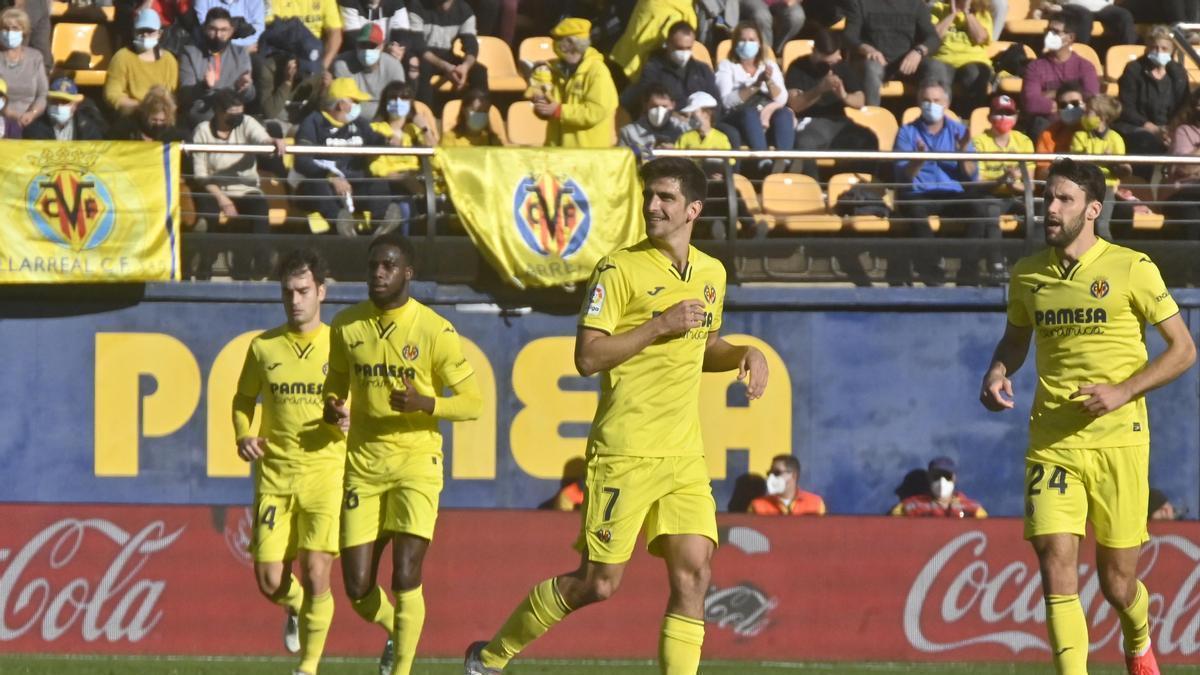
68,117
216,64
399,121
1096,136
1044,75
644,32
153,119
9,128
370,66
1153,90
473,126
701,110
943,499
23,69
784,496
755,98
673,68
1004,185
658,126
1070,107
134,70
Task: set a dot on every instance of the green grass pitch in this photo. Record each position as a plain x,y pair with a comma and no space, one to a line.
118,665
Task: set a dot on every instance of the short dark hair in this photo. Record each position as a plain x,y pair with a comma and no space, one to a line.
298,261
792,463
224,99
1068,87
680,27
653,90
217,13
692,182
1087,176
825,42
399,241
1072,20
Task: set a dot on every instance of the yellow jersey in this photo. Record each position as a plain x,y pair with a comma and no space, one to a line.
957,49
286,371
995,170
369,349
650,404
1088,324
410,137
1093,143
316,15
715,140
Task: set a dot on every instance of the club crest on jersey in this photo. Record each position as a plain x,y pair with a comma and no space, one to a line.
604,535
710,294
410,352
552,214
596,303
1100,288
325,368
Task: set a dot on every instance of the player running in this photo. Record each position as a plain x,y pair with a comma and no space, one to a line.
298,479
650,324
1088,302
393,357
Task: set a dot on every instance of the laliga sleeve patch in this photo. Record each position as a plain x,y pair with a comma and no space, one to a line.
597,301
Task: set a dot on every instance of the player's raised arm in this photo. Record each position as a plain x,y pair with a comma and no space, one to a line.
996,393
721,356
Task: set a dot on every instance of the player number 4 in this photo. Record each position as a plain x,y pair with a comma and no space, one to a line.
268,517
1058,479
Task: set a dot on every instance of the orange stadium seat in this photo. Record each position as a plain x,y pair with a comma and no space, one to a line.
534,49
1115,60
1019,22
700,53
1088,54
88,38
496,55
838,185
795,49
495,119
796,203
524,128
431,120
879,120
745,190
979,121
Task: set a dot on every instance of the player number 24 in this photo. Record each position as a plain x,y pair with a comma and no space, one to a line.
1058,479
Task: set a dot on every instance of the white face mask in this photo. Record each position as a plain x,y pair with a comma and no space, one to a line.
1052,42
680,56
776,485
941,488
61,114
13,39
658,115
932,112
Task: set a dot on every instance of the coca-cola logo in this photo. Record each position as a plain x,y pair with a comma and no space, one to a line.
116,606
238,530
743,609
961,598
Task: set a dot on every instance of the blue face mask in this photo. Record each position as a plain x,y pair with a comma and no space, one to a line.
477,120
1161,58
13,38
932,112
61,114
144,43
369,57
1071,114
747,50
399,107
355,112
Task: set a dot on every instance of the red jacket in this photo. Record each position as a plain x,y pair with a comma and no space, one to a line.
925,506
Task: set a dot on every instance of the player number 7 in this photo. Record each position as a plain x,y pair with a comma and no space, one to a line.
613,493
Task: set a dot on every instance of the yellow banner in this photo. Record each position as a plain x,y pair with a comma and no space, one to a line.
543,217
89,211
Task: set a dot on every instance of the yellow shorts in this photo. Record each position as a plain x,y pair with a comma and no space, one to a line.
659,495
406,501
1066,488
307,519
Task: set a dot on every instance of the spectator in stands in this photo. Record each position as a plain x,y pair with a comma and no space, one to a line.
9,128
323,20
215,65
889,39
227,184
779,20
153,119
581,113
1153,89
252,12
943,499
69,116
473,126
962,62
1006,190
38,39
24,71
1070,108
134,71
403,125
644,32
1097,137
784,496
755,98
370,66
820,87
390,15
935,187
1183,208
701,110
1056,66
338,188
657,127
673,67
439,23
1116,20
1160,507
286,94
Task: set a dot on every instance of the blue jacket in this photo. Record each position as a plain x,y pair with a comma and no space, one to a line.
316,129
943,176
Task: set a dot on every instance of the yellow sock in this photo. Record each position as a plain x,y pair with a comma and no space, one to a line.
542,608
315,618
1135,622
1068,634
679,645
290,596
375,608
410,618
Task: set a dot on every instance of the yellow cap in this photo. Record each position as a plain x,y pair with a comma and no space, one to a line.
572,27
345,87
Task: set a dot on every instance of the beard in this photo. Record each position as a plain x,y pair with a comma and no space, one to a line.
1067,234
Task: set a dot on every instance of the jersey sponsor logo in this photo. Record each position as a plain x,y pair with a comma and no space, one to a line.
1070,315
710,294
1100,287
293,388
410,352
70,205
596,303
552,214
383,370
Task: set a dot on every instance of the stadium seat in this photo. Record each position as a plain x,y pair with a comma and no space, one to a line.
64,10
979,121
1018,22
1115,60
495,119
497,56
796,203
1148,221
431,119
524,128
879,120
1009,84
87,38
745,190
1088,54
538,48
911,114
839,184
795,49
700,53
724,46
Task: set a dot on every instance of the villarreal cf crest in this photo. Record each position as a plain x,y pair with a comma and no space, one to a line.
70,205
1099,288
552,214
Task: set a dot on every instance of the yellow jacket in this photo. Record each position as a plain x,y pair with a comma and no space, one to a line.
647,30
589,105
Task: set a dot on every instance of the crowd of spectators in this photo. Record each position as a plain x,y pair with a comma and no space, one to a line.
378,72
